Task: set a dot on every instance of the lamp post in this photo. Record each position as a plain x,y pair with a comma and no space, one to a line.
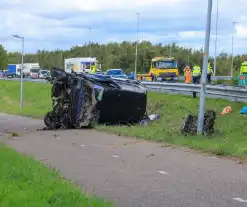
216,37
90,45
233,26
137,39
200,122
22,55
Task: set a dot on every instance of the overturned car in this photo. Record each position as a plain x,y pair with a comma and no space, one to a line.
81,100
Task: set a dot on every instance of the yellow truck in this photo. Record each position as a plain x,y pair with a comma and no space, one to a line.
163,68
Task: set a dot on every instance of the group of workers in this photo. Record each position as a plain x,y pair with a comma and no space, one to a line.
194,75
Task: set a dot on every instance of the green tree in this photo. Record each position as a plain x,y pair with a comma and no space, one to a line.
3,58
122,55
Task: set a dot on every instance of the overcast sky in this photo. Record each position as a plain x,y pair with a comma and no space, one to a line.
60,24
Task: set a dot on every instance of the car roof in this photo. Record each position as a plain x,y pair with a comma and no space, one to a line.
114,69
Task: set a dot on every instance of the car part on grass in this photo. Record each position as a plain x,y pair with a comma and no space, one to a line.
190,124
149,118
80,100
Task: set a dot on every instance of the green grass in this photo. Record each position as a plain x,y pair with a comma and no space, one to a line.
228,140
25,183
37,98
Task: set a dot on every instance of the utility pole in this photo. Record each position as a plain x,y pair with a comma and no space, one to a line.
61,55
90,45
216,37
22,58
37,56
137,40
233,27
200,122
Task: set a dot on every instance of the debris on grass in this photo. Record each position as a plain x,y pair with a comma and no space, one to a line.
226,110
14,134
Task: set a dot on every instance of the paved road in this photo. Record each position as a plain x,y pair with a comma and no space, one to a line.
132,173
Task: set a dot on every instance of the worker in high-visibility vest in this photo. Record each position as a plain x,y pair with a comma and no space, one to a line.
93,69
196,76
209,72
243,69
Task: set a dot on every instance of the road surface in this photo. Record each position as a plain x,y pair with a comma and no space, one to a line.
130,172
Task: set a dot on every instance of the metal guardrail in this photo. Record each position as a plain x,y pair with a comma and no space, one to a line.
45,81
230,93
221,77
214,78
26,80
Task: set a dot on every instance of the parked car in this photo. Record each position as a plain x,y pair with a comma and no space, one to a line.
33,74
44,74
132,76
116,73
2,75
100,73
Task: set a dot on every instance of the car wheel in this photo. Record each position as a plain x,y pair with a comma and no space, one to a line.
50,121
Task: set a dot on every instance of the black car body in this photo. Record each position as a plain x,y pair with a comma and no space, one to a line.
79,100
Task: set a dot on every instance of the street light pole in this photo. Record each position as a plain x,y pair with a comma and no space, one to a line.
22,59
216,38
200,122
137,39
233,24
90,46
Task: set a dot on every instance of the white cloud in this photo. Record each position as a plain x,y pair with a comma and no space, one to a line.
60,24
241,31
191,34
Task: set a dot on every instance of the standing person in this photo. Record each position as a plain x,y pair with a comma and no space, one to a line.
93,69
196,73
243,69
187,74
209,73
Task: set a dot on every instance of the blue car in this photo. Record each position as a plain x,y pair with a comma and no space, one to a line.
116,73
132,76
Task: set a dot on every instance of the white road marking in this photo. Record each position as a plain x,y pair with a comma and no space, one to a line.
115,156
211,157
58,138
240,200
163,172
82,145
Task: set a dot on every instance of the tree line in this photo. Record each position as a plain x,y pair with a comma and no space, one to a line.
122,55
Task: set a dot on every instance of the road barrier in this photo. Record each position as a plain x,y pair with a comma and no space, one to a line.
26,80
215,78
231,93
216,91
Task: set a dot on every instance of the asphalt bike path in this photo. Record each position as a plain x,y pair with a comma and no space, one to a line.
130,172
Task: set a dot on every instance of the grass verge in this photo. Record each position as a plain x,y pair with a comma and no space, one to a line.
25,182
228,140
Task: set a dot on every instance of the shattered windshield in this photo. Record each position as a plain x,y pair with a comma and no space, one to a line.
86,65
44,72
34,70
165,64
